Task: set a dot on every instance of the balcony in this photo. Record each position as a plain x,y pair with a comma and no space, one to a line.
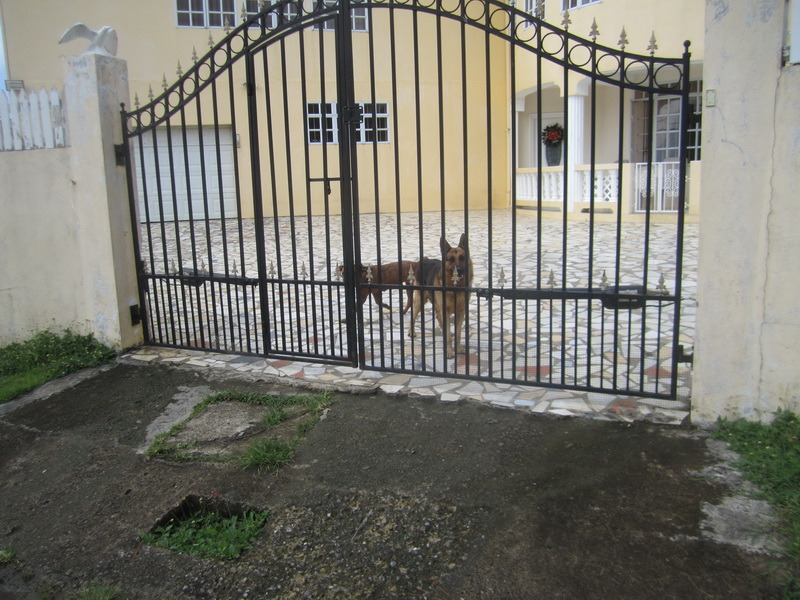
597,191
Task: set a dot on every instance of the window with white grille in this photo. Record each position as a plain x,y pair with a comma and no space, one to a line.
321,119
205,13
570,4
359,19
534,8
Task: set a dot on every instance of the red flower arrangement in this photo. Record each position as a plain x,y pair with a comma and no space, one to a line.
552,134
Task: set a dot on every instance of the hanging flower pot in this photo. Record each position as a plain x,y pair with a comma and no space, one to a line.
553,154
552,138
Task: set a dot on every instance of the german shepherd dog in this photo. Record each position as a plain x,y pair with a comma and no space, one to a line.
389,274
455,272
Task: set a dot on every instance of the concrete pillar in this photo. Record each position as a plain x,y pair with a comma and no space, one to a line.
94,87
748,280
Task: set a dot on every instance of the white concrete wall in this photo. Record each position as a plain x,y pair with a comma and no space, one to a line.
748,318
65,236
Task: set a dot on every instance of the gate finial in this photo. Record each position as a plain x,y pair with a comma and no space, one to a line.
594,31
623,40
652,47
566,21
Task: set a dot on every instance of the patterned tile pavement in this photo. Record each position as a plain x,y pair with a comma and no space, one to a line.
534,399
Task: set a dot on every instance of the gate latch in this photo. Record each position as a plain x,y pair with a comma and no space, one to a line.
353,114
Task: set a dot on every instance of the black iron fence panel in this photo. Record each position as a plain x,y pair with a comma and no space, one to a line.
291,182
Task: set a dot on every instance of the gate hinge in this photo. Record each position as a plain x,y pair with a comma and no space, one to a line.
683,357
136,314
119,154
353,114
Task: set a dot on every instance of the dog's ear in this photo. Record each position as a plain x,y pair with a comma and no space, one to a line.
445,245
463,243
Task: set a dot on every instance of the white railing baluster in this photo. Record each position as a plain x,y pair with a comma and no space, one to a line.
31,120
6,142
59,121
37,139
46,118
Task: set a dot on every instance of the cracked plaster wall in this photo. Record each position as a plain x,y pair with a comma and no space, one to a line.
747,350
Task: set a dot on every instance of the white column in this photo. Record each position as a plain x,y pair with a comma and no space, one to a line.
576,143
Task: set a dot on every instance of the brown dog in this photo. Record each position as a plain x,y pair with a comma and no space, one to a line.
455,272
393,273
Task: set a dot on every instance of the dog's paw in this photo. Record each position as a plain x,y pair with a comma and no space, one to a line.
411,333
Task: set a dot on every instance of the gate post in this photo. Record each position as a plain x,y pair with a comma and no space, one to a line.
95,86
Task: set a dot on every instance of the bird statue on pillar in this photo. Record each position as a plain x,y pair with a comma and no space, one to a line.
102,42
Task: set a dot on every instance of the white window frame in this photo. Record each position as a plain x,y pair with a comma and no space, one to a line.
375,122
319,122
667,120
359,18
573,4
253,7
206,13
529,6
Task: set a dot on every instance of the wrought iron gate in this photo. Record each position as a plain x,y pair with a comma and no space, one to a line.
319,138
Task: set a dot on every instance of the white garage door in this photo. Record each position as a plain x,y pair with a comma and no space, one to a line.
178,181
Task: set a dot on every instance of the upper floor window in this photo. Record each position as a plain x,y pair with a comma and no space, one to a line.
534,8
253,7
570,4
359,18
321,123
206,13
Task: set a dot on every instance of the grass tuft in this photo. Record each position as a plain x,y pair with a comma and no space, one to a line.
47,356
96,591
770,458
7,555
267,454
209,534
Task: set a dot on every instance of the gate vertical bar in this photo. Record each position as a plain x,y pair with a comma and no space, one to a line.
347,166
684,157
258,209
135,235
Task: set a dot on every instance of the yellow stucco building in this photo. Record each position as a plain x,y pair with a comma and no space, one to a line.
453,115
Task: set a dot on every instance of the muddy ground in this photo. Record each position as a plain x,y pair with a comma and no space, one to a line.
388,497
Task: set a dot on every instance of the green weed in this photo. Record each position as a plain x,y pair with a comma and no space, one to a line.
96,591
209,535
7,555
770,458
46,356
267,454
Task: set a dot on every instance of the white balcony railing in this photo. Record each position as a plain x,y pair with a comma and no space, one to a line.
606,178
663,189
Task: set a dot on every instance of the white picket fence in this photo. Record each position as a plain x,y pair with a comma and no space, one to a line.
31,120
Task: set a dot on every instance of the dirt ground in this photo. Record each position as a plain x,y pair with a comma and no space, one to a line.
388,497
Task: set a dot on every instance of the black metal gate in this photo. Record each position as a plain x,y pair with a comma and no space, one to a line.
316,142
